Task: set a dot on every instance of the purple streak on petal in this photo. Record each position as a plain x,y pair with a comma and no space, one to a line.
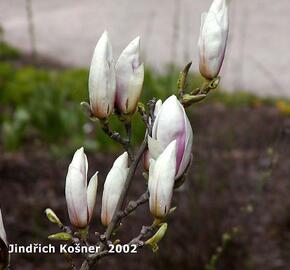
180,140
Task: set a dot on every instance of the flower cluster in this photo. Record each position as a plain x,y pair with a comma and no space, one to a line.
169,155
115,88
115,85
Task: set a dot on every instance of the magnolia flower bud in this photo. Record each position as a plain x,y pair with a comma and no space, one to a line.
157,108
161,181
80,197
171,123
213,38
129,78
113,187
102,80
146,155
2,230
4,253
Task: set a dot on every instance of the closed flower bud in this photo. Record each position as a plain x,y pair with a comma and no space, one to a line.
80,197
157,107
4,253
129,78
113,187
52,217
213,38
63,236
2,230
161,181
146,155
171,124
102,80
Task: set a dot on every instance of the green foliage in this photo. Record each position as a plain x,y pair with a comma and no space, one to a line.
40,106
7,52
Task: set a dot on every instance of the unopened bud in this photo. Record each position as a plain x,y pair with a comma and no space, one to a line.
52,217
60,236
157,237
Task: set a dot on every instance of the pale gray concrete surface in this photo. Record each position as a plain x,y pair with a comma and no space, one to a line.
258,55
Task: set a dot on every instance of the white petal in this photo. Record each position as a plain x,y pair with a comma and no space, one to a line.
203,17
155,148
152,181
122,161
135,88
129,76
76,197
102,79
170,124
169,121
92,194
80,162
112,190
2,229
161,181
158,106
213,39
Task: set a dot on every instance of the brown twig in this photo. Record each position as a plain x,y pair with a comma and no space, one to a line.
127,184
92,260
132,205
126,143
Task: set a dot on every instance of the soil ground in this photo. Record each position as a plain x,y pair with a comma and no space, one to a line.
239,182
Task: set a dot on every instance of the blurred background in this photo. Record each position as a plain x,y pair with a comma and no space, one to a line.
234,210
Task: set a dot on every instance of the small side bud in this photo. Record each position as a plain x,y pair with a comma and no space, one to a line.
52,217
181,83
172,210
187,99
63,236
83,233
157,237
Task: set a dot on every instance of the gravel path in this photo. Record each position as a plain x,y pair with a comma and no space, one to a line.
258,55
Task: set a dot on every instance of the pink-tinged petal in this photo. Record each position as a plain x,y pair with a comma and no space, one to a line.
213,39
135,89
161,181
113,187
112,190
188,149
210,47
92,194
169,125
80,162
76,197
169,122
180,141
129,78
102,79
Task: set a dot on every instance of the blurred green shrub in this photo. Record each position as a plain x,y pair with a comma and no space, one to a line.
7,52
41,106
